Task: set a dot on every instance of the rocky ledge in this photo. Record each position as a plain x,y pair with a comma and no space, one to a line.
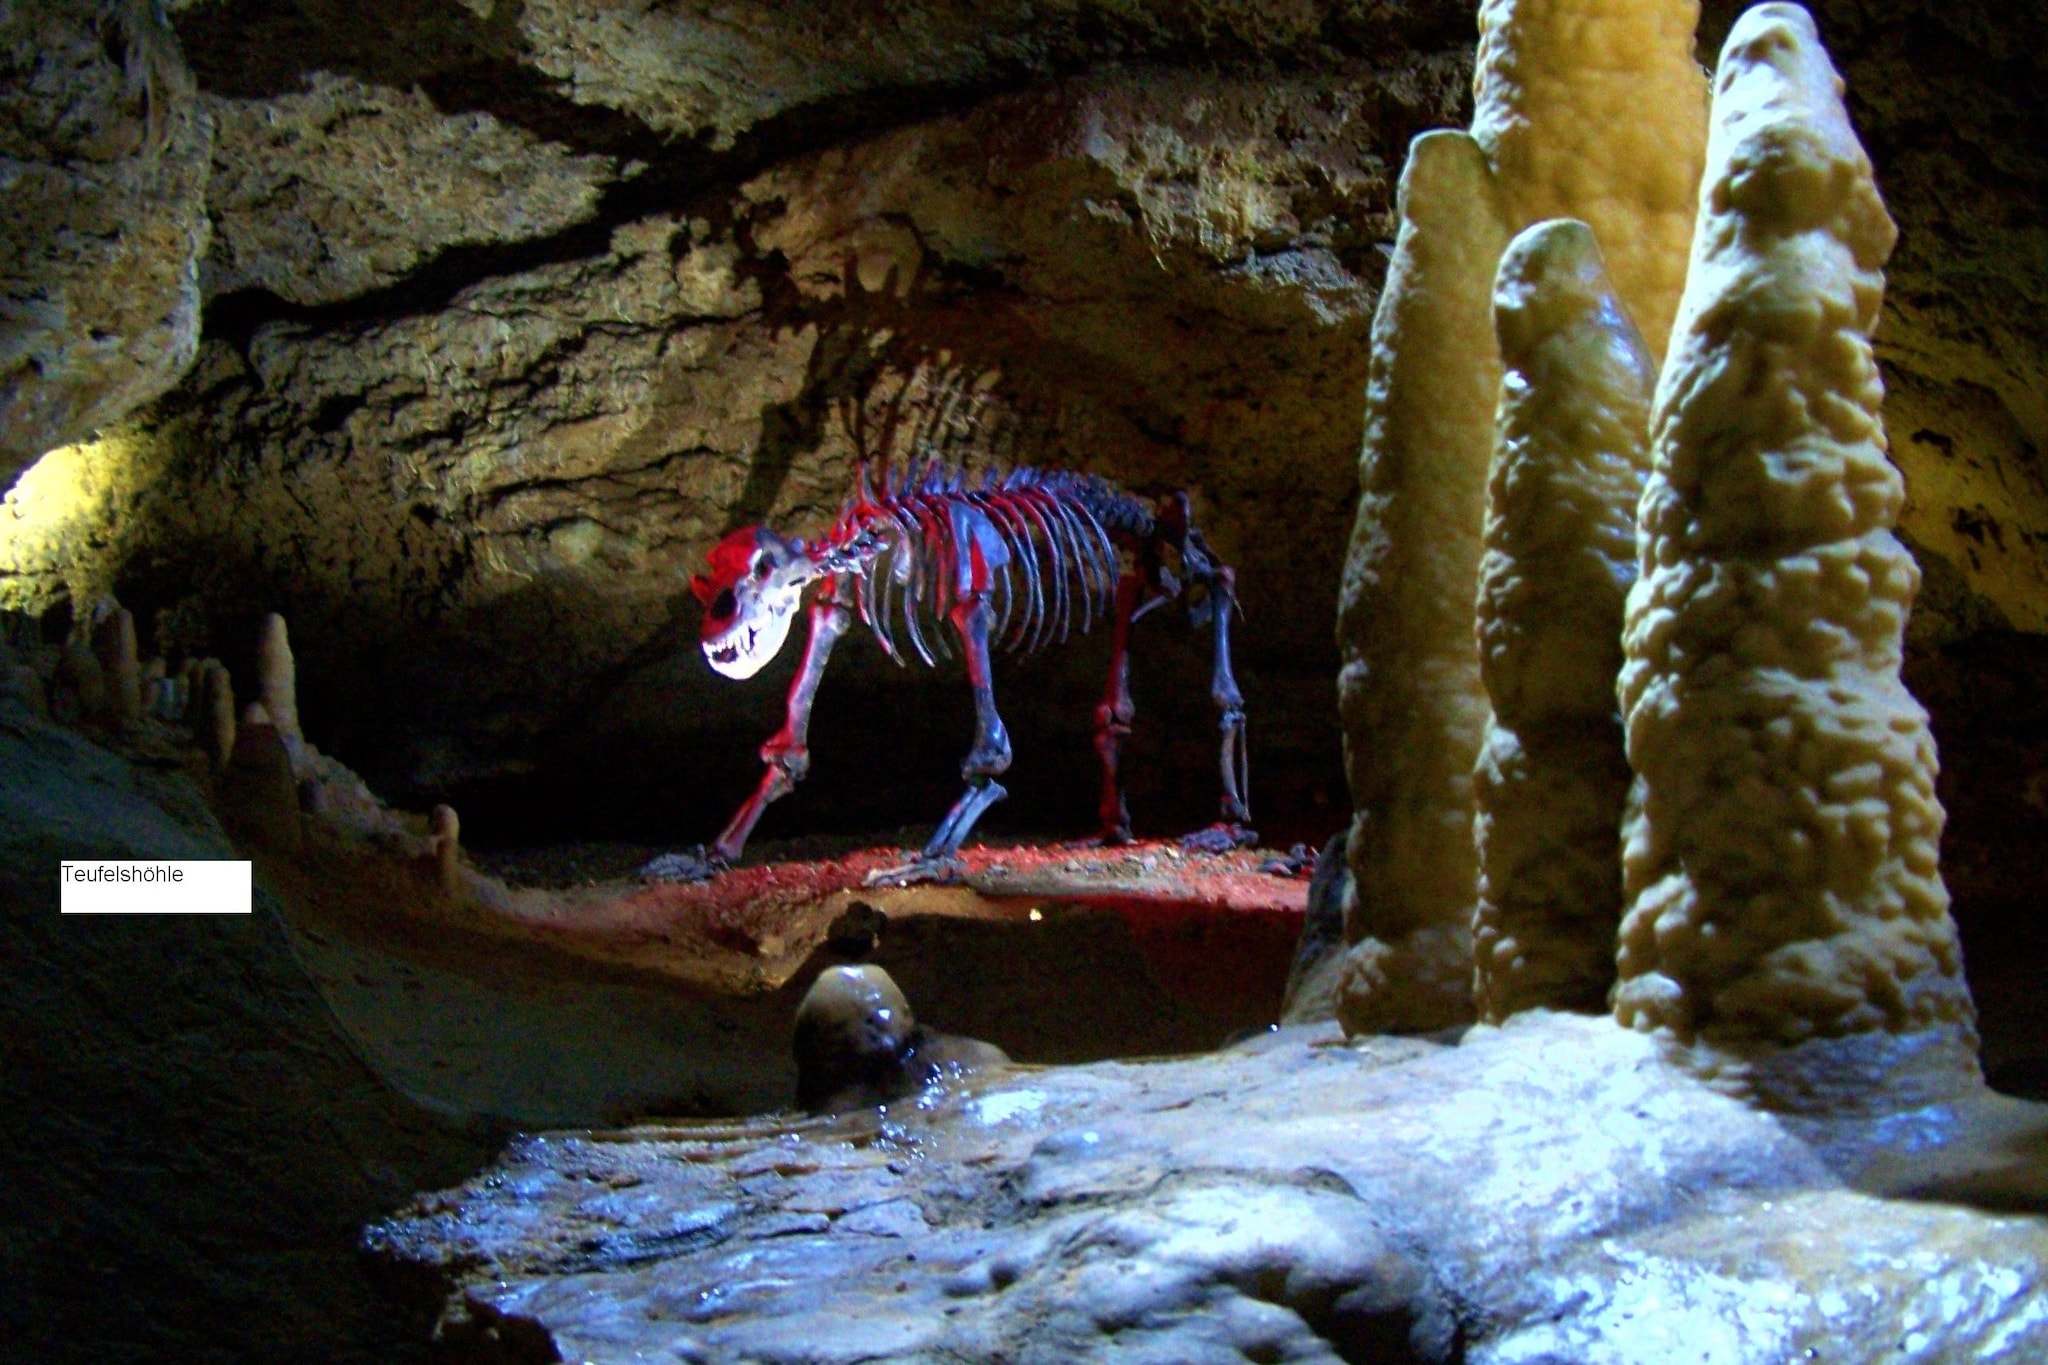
1549,1191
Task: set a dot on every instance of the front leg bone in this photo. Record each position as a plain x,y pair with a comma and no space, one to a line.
1231,829
972,618
788,754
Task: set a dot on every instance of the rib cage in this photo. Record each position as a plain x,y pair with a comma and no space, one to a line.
1047,538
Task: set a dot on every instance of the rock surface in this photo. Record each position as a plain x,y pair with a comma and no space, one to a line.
1550,1191
192,1146
103,166
345,187
598,1001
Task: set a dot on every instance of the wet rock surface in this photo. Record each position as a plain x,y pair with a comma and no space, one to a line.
1547,1191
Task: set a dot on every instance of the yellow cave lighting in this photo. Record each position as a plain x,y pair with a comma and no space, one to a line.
63,522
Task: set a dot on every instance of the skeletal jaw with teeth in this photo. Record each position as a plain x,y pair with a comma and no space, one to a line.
751,598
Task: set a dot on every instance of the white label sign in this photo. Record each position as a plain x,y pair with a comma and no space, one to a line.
155,887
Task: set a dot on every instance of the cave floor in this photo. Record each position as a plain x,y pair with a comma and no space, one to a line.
1550,1191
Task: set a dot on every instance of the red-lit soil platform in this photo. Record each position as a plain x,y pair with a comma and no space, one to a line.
1054,954
610,997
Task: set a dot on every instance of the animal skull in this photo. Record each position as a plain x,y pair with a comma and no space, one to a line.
751,598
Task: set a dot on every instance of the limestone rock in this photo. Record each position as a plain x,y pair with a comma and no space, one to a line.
344,187
102,218
1781,852
756,62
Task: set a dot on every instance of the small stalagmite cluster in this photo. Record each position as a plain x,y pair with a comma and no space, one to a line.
1744,857
269,786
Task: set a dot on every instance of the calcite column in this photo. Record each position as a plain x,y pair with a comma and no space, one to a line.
1560,555
1780,852
1409,692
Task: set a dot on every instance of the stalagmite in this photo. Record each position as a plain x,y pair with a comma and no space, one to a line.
857,1044
853,1032
1560,554
447,835
113,643
1597,110
1589,109
258,798
192,678
1781,848
79,693
216,714
277,679
1409,691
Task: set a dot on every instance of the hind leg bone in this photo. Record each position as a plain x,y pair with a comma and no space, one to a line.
1230,830
972,619
1114,715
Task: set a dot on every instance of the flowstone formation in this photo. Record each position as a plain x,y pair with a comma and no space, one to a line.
1782,844
1587,110
1560,554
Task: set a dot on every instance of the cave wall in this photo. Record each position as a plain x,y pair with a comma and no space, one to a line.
105,149
472,395
512,310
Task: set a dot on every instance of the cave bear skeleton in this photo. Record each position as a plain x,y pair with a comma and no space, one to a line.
1016,560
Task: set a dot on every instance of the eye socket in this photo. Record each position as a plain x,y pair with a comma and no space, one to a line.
724,605
761,567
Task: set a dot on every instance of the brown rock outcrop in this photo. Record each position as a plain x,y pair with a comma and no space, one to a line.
343,187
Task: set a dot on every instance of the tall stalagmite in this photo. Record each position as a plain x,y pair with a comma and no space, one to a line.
1412,704
1590,109
1781,875
1597,110
1560,553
